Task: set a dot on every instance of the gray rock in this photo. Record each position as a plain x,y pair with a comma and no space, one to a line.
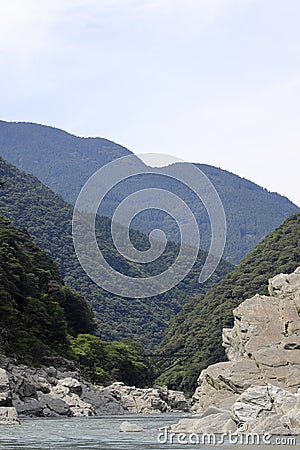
52,381
5,391
104,401
259,383
6,362
27,389
72,386
285,285
252,403
210,411
54,406
134,400
128,427
213,423
244,412
273,424
8,416
52,392
66,390
283,401
51,372
221,384
29,408
42,385
177,401
293,417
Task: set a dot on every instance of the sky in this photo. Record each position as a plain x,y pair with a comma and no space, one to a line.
209,81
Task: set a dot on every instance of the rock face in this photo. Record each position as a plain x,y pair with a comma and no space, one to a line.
258,389
61,391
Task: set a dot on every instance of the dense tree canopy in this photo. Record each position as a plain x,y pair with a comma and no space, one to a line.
48,219
103,362
37,312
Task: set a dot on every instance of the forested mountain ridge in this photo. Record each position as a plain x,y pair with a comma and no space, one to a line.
196,331
48,219
37,312
64,163
58,159
41,319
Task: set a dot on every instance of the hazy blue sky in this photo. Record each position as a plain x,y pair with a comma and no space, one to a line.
211,81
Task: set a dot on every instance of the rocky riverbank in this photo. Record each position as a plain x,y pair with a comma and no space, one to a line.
60,391
258,389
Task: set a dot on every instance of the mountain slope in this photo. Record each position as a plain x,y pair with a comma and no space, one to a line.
64,162
40,318
196,330
36,310
60,160
48,219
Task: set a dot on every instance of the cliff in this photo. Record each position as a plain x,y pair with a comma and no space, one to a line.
257,389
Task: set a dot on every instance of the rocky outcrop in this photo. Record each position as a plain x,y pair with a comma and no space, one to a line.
8,414
61,391
147,401
258,389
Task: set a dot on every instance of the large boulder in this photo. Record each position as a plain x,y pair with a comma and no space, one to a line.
5,391
53,407
29,407
212,420
258,385
8,416
267,409
69,390
128,427
105,401
8,413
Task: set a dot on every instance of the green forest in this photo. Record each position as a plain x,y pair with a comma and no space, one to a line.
41,318
48,220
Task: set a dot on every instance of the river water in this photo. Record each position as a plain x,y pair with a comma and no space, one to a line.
101,433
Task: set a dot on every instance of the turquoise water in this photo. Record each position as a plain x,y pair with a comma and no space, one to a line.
102,433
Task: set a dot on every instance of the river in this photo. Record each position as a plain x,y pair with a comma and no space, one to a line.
101,433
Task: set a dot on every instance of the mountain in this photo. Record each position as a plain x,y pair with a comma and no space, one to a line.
64,162
196,331
37,312
48,219
60,160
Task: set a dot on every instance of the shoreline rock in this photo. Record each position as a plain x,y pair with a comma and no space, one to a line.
8,413
62,392
258,389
